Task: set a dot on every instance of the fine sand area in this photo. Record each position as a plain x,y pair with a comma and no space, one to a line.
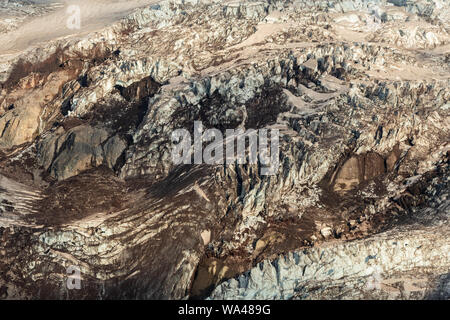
94,15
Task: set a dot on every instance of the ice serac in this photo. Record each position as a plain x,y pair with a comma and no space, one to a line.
359,91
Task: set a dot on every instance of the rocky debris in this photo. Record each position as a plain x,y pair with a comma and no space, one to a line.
362,269
13,13
359,91
334,271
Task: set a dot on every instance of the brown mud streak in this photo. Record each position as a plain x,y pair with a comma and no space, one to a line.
95,191
61,59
